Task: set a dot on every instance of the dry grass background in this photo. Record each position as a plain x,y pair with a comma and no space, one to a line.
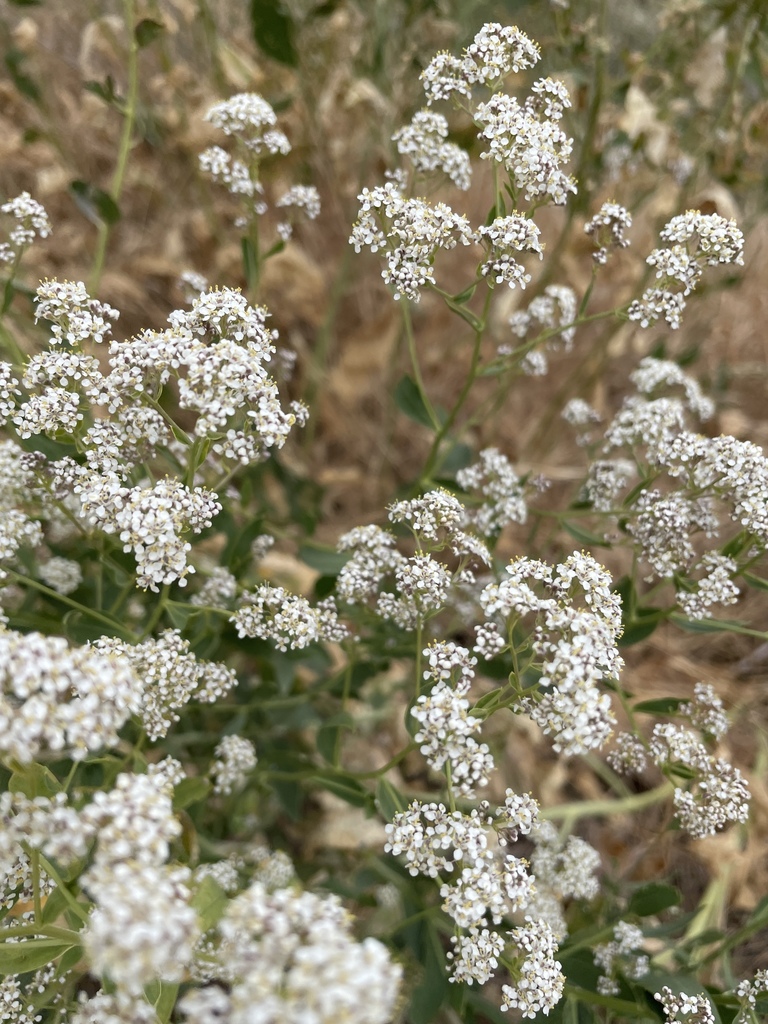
339,111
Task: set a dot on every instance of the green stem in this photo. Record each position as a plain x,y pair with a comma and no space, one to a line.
157,611
344,702
44,931
12,346
419,641
75,906
34,861
469,380
129,121
377,772
585,808
408,323
117,627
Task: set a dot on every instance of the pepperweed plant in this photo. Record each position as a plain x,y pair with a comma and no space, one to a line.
181,719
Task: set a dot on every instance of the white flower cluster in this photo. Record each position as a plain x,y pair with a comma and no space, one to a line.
496,52
697,240
705,712
298,197
142,927
150,522
31,223
680,1008
219,589
273,868
424,141
446,725
748,991
75,316
373,558
436,520
249,118
620,956
662,525
606,479
411,231
564,869
717,794
628,754
528,141
171,675
422,586
289,956
539,987
192,284
652,374
289,620
57,698
504,237
234,759
503,494
578,625
735,471
17,1005
486,884
606,229
715,587
555,307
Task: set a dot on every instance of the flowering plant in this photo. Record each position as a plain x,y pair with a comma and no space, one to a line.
183,720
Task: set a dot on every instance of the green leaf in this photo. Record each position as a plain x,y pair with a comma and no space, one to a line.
81,628
291,796
755,581
662,706
737,544
327,741
8,292
326,560
653,898
33,780
96,204
210,902
104,90
54,906
179,613
641,627
190,791
147,31
27,86
457,457
162,995
488,698
345,786
273,31
584,537
70,960
389,800
580,969
30,954
428,996
250,260
714,626
465,296
408,399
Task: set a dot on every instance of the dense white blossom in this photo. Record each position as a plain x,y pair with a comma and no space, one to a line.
424,140
234,758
